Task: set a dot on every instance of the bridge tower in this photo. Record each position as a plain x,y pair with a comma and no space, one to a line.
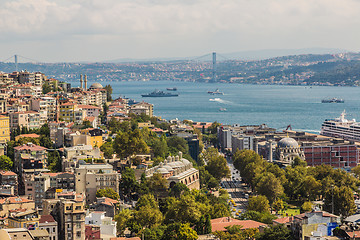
214,67
16,62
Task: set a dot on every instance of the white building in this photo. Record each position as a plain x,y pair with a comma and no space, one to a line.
107,224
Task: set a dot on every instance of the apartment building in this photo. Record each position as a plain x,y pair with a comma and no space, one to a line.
142,108
91,177
4,129
27,119
9,178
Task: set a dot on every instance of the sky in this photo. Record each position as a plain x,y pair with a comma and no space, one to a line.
98,30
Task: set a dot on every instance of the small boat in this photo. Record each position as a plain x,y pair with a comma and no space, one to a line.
332,100
216,92
214,99
222,109
172,89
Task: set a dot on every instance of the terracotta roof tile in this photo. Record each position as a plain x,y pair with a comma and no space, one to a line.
219,224
46,219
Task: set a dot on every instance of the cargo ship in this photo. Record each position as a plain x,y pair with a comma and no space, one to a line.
157,93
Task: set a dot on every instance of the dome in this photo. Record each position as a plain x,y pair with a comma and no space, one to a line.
96,86
162,170
185,161
168,167
288,142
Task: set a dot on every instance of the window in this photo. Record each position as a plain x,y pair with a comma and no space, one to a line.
78,234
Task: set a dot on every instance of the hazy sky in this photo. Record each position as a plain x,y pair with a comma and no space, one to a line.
96,30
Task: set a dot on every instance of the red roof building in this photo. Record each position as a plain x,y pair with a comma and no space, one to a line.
219,224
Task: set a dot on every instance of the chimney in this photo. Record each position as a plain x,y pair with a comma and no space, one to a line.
81,81
180,155
270,151
85,86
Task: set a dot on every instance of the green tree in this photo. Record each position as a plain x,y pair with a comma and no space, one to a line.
128,183
45,141
207,227
183,210
356,171
147,200
46,88
148,216
259,204
54,161
206,179
213,128
298,162
45,130
177,144
160,147
129,143
157,183
86,124
278,205
107,192
108,150
109,91
306,206
275,232
343,200
269,186
178,189
5,163
179,231
121,220
216,164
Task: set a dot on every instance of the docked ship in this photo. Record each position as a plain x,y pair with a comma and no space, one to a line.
172,89
333,100
216,92
157,93
341,128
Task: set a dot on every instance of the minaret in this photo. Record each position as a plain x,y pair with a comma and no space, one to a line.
85,82
81,81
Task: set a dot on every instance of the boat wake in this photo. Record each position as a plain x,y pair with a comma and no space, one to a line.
219,100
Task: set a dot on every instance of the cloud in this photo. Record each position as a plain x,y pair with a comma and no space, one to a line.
251,23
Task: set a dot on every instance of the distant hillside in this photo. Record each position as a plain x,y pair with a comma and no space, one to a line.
302,69
243,55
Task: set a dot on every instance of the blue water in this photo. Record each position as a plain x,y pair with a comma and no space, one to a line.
275,105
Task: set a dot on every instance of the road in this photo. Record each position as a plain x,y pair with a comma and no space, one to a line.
236,189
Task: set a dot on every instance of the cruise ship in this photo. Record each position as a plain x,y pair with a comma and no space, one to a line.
341,128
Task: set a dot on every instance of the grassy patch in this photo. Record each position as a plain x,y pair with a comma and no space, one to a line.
291,212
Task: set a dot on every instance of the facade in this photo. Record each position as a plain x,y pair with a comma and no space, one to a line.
91,177
48,223
62,180
70,112
25,119
28,219
106,224
177,169
41,185
341,156
315,224
107,205
8,178
13,203
15,233
70,215
4,129
29,156
142,108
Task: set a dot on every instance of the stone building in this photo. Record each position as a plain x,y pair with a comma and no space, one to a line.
287,150
177,169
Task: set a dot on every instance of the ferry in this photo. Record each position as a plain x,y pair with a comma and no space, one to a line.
216,92
222,109
341,128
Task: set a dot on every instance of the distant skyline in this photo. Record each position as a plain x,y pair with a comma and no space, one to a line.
100,30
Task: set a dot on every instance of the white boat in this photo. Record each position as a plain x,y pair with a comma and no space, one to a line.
341,128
